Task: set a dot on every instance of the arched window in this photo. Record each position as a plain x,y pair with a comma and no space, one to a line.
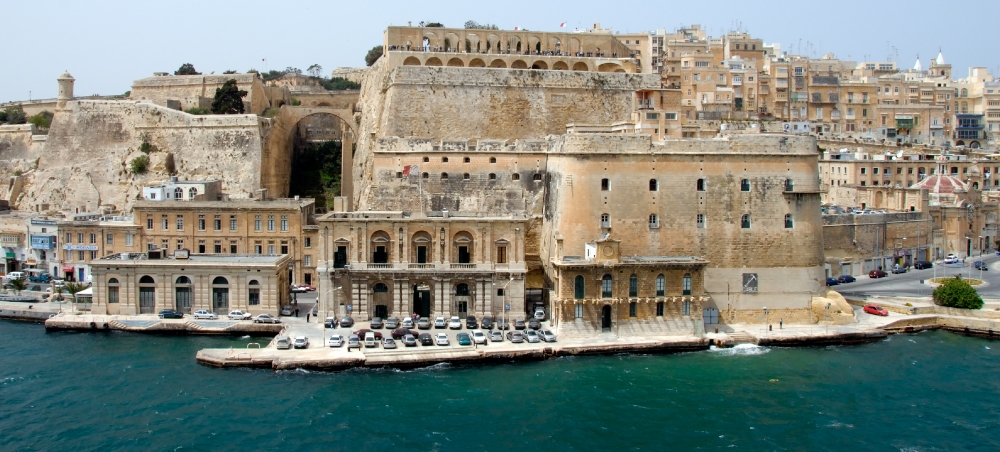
467,160
253,293
515,176
178,193
788,221
633,286
493,159
579,286
426,159
605,220
606,286
113,290
462,290
701,184
661,285
424,176
745,185
147,295
112,281
220,281
745,221
192,192
537,176
220,295
182,280
444,175
147,280
654,221
444,159
465,176
380,287
687,284
653,186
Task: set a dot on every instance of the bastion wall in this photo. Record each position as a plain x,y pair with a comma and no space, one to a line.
191,89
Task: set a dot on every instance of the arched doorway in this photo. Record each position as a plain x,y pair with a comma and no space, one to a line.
220,295
147,295
422,300
606,318
381,300
182,294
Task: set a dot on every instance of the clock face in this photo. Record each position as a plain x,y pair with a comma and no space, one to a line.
608,251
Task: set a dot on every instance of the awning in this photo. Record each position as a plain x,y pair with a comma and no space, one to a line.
68,269
10,255
86,293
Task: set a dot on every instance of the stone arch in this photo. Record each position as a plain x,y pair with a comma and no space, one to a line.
581,66
555,44
519,64
498,64
433,61
534,43
473,41
411,61
453,43
539,65
974,145
492,43
456,62
380,248
477,62
430,39
424,240
608,67
560,66
513,44
464,247
574,46
879,200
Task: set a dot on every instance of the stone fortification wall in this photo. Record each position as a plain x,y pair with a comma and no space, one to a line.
353,74
190,89
85,160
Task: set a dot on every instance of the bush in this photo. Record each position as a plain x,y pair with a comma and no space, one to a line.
296,102
197,111
373,55
140,164
145,147
339,84
42,120
956,293
15,115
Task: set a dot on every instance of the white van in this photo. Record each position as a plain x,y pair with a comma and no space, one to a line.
370,340
12,276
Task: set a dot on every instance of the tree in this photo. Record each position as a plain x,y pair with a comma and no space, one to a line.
17,285
474,24
293,70
186,69
435,24
197,111
230,71
72,288
338,84
228,99
956,293
15,115
42,120
140,164
373,55
315,70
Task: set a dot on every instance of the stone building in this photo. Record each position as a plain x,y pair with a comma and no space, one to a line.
82,242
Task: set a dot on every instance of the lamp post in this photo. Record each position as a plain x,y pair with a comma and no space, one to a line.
767,326
828,318
504,297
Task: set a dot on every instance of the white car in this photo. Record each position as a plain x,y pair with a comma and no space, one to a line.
236,314
441,339
439,322
455,323
335,341
264,318
547,335
301,342
407,323
207,315
479,337
540,313
530,335
951,259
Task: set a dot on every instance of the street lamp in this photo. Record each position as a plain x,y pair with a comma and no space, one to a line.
504,297
767,326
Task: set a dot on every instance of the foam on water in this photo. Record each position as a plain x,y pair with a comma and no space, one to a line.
740,350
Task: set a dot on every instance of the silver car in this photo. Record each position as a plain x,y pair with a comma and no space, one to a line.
301,342
203,314
407,323
546,335
388,343
441,339
440,322
496,336
530,335
479,337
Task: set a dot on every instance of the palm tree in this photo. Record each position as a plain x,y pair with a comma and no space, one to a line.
72,288
17,285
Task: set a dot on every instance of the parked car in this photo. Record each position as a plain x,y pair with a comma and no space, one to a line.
424,323
377,323
42,277
832,281
539,313
844,279
546,335
531,336
298,289
455,323
286,311
897,269
370,341
515,336
335,341
330,322
407,323
487,323
353,341
301,342
12,276
425,339
283,343
409,340
347,322
471,323
170,314
952,259
464,339
264,318
519,324
237,314
534,324
920,265
503,324
364,332
388,343
980,265
441,339
440,322
206,315
876,310
479,337
495,336
877,274
391,323
398,333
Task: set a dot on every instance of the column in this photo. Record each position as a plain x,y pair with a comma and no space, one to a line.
406,297
446,288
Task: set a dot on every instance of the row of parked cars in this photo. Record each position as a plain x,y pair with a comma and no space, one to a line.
425,323
203,314
410,338
896,269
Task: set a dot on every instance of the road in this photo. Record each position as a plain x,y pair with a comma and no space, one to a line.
909,284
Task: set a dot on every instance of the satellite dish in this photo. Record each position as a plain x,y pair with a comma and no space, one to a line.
899,154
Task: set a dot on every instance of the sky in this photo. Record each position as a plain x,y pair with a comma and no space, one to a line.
107,44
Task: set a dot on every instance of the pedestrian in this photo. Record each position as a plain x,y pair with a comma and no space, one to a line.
769,327
296,312
307,317
781,323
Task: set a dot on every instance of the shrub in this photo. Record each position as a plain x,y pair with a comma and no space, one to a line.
272,112
145,147
296,102
956,293
338,84
140,164
197,111
42,120
373,55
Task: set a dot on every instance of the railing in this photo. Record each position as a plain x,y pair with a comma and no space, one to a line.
420,266
464,266
253,343
379,266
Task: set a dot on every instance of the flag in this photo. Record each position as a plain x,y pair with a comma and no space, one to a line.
263,59
516,28
410,169
562,25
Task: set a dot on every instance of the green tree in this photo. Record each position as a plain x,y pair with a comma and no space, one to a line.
956,293
434,24
17,285
187,69
373,55
15,115
42,120
228,99
140,164
3,116
73,288
338,84
230,71
315,70
197,111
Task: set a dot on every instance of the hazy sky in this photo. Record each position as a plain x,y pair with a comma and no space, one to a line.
108,44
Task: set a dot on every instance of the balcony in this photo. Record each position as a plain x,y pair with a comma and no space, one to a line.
437,267
799,97
825,81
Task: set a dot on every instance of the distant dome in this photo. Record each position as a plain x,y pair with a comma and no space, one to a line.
918,66
938,184
940,58
65,76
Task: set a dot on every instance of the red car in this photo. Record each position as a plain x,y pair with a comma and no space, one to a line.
876,274
875,310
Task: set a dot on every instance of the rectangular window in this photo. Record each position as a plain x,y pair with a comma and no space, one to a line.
659,309
180,222
605,185
254,297
164,222
258,248
256,222
218,222
270,222
307,242
79,237
128,239
500,292
701,221
201,246
149,223
201,222
232,222
284,247
284,222
632,309
308,261
112,295
218,246
579,310
180,244
93,255
232,247
501,254
93,238
79,256
270,249
110,240
69,237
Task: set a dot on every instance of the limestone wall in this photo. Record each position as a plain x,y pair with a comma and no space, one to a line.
188,89
84,162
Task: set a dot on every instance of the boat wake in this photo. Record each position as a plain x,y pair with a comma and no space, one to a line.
740,350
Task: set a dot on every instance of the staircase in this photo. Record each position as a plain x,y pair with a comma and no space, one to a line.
742,337
577,329
656,327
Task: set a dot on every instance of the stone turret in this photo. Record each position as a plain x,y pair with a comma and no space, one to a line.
65,90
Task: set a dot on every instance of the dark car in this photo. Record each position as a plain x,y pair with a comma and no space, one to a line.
519,324
409,340
832,281
502,324
330,322
471,323
424,323
980,265
399,333
377,323
464,339
171,314
920,265
361,333
534,324
877,274
347,322
844,279
487,322
425,339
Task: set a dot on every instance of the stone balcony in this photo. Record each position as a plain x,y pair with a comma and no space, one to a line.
437,267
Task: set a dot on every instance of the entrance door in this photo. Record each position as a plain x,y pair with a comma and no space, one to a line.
711,316
340,257
606,318
463,309
309,279
421,254
147,300
422,302
380,256
381,311
220,300
182,300
463,255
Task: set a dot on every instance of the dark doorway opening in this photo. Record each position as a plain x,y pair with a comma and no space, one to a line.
340,257
422,301
463,255
606,318
380,256
382,311
421,254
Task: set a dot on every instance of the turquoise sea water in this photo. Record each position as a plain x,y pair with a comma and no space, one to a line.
120,391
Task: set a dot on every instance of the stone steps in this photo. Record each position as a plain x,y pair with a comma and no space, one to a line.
742,337
657,327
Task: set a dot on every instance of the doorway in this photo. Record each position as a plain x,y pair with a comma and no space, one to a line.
380,256
182,298
340,257
220,300
147,300
711,316
463,255
606,318
381,311
422,301
421,254
463,309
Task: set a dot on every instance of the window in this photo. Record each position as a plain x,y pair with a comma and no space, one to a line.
606,283
180,222
93,238
93,255
537,177
578,310
307,261
745,185
192,192
253,298
232,222
284,247
659,309
232,247
633,286
687,284
501,254
653,186
424,176
284,222
257,247
465,176
687,308
79,238
745,221
307,242
579,286
467,160
217,246
788,221
632,309
217,222
79,255
444,159
493,159
444,176
256,222
605,220
492,176
270,248
701,221
605,185
427,159
654,221
201,222
128,239
270,222
701,185
863,171
110,240
515,176
149,224
201,246
500,292
113,291
661,283
178,193
164,222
